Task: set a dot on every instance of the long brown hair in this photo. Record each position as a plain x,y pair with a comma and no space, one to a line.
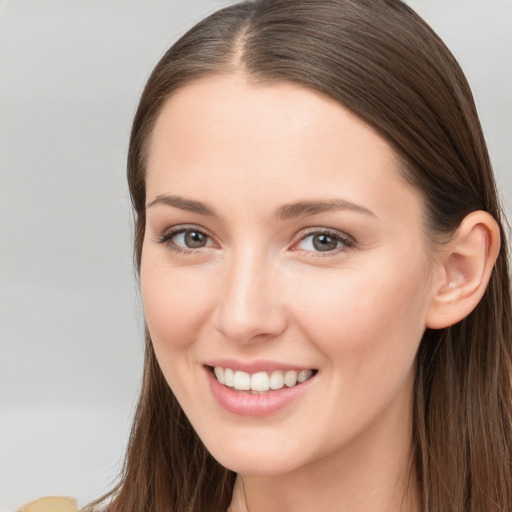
381,61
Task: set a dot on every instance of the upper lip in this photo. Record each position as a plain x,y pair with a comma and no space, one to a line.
255,366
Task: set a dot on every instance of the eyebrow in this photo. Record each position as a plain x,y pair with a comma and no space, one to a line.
287,211
188,205
306,208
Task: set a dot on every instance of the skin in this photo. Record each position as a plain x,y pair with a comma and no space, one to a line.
259,290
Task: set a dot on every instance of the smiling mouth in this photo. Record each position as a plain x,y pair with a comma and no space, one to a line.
261,382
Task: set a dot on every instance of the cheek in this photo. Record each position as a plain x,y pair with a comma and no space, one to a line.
364,320
175,305
176,302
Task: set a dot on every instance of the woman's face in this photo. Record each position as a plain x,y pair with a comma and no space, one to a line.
282,243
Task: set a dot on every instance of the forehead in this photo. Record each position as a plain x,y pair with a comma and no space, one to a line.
257,111
267,140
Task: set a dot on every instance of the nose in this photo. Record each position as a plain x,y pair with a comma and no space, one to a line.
250,302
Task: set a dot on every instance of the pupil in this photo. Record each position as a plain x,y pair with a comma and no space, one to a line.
194,239
324,243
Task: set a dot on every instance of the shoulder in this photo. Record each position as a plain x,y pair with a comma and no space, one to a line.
51,504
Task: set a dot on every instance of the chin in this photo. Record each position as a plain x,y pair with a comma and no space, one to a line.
246,455
257,464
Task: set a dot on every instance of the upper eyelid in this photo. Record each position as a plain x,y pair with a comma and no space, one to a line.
304,233
348,242
181,228
169,233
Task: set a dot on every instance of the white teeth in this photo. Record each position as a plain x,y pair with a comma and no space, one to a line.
303,376
242,381
290,378
229,375
276,380
219,373
260,381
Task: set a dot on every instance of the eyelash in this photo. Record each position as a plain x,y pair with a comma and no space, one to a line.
166,239
346,241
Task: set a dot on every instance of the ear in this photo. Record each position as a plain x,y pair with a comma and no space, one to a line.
465,267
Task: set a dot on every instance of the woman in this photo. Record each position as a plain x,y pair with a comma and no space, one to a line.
323,269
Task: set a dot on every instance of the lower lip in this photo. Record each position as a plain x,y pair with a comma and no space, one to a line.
244,403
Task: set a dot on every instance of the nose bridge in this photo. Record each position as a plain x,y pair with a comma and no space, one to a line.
249,304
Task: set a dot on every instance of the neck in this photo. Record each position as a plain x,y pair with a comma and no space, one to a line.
375,471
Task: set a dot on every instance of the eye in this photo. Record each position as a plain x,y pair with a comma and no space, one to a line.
324,241
186,239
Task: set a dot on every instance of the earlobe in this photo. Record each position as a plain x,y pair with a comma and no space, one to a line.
466,264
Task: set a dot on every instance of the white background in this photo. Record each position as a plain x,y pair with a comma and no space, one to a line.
71,72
